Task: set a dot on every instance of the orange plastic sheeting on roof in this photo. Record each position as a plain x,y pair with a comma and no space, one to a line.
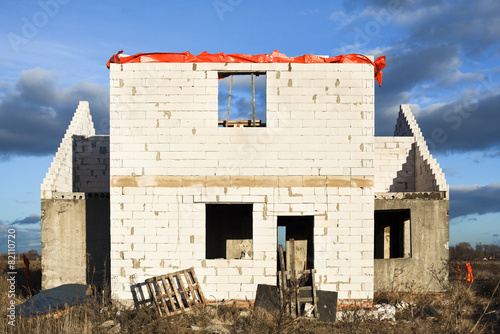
274,57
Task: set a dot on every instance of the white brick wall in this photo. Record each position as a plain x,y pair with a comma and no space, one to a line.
394,164
59,178
164,126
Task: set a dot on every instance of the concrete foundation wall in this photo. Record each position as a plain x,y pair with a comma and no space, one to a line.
426,270
63,240
75,239
169,159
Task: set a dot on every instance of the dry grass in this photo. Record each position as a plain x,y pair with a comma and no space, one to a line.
464,309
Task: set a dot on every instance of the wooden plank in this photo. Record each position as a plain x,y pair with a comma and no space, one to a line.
193,287
244,123
253,102
280,284
229,100
293,280
298,272
282,275
152,296
169,294
300,251
183,291
195,279
151,291
159,299
192,291
315,301
176,292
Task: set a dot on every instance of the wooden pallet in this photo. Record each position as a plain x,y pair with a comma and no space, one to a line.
176,292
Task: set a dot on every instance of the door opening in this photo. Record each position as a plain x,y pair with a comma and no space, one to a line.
299,228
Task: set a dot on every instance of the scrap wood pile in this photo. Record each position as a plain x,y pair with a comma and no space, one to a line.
296,297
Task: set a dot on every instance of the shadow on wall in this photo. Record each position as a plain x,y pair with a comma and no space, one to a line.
405,177
98,240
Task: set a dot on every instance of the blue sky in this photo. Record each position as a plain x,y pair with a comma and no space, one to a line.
442,58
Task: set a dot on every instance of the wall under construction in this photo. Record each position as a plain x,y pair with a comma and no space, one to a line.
170,162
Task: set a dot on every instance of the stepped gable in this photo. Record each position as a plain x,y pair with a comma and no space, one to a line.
429,176
60,175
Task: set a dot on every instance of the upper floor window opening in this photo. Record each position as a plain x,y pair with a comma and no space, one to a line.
242,99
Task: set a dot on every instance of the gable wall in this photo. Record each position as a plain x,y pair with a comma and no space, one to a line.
60,175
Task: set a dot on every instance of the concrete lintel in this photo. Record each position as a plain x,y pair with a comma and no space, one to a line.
428,195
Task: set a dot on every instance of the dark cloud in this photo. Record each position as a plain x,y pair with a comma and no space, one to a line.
35,112
468,200
426,67
31,219
413,73
472,25
466,124
492,154
432,61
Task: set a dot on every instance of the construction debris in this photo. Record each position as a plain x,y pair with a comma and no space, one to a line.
383,312
294,294
176,292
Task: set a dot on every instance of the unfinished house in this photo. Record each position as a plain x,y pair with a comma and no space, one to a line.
188,188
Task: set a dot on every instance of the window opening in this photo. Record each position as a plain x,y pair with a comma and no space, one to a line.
242,99
392,234
229,231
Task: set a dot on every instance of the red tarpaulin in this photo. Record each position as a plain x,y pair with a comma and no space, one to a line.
274,57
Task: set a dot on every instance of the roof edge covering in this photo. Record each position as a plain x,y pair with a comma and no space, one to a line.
274,57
